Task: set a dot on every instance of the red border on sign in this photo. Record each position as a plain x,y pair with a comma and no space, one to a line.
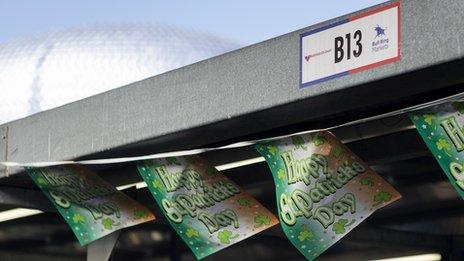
378,10
390,60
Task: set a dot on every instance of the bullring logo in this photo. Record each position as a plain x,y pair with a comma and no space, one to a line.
379,31
381,40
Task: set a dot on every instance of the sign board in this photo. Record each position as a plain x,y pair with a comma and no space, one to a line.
91,207
350,45
206,209
442,129
323,190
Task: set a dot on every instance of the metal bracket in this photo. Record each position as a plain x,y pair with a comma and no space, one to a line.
3,150
101,249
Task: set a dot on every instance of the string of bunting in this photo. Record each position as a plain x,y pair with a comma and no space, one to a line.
323,190
230,146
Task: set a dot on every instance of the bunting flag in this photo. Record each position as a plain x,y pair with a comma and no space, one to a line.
206,209
323,190
91,207
441,127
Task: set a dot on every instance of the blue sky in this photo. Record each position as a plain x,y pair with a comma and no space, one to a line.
245,21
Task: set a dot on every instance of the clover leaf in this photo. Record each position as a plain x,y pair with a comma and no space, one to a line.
281,174
298,142
338,151
261,220
140,214
367,181
428,118
318,140
243,202
78,218
305,235
442,144
381,197
42,181
225,236
108,223
272,149
157,184
339,227
191,232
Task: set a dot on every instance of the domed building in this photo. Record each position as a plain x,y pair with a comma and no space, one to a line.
49,70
